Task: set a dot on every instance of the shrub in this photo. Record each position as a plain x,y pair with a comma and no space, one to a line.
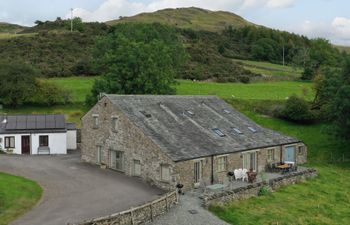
47,93
297,109
264,191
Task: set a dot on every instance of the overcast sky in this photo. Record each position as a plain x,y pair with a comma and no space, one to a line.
315,18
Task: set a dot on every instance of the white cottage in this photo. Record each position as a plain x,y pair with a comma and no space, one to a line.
36,134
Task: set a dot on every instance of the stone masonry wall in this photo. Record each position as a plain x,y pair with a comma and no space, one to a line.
139,215
128,139
228,196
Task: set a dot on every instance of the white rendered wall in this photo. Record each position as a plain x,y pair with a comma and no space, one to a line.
72,139
57,142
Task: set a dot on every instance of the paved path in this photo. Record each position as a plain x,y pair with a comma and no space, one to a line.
75,191
180,215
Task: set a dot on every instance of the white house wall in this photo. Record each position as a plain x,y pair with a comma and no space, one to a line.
72,139
57,142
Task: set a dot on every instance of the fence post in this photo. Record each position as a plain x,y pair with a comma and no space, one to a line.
132,216
151,211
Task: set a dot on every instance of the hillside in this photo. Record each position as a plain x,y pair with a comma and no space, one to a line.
10,28
343,48
193,18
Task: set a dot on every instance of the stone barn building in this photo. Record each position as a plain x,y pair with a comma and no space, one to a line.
192,140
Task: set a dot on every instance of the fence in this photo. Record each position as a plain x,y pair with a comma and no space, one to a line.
139,215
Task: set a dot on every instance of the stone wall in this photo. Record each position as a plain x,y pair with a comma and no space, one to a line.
126,138
227,196
139,215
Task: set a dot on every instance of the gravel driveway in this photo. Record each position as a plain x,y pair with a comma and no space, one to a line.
75,191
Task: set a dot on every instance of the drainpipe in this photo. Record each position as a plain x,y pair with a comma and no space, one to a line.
212,169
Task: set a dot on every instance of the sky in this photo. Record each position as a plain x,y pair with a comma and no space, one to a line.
314,18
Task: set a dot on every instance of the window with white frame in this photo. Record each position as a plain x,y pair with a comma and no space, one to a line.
44,141
221,163
9,142
95,121
270,154
165,172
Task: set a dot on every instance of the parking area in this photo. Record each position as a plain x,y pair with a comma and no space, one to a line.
75,191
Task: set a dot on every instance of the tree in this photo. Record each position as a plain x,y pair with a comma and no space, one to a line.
137,59
266,49
297,109
17,83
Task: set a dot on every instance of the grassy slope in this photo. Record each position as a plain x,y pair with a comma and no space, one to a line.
343,48
10,28
17,196
194,18
271,70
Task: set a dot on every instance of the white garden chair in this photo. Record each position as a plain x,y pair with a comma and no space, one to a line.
244,175
238,174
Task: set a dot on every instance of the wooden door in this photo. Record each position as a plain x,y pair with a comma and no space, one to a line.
25,144
197,172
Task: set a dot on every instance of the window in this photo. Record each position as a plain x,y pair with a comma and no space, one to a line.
44,141
191,113
250,161
301,150
221,163
237,131
117,160
99,155
252,129
219,132
115,124
270,154
165,172
9,142
95,121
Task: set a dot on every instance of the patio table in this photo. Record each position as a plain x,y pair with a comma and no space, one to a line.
284,167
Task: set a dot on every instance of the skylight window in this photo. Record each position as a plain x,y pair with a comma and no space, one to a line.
218,132
191,113
146,114
227,111
252,129
237,131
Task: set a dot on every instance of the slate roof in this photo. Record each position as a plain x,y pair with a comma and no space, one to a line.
32,123
188,127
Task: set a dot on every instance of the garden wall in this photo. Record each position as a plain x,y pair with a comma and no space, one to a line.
139,215
227,196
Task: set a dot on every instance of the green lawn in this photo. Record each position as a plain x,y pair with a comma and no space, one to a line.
274,71
79,86
17,196
325,200
256,91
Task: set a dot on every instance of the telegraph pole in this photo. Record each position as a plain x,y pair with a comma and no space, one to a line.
71,20
283,55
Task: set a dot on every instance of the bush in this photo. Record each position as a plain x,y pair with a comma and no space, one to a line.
264,191
297,109
47,93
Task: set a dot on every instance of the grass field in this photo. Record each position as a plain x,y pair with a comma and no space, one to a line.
81,86
17,196
11,35
272,71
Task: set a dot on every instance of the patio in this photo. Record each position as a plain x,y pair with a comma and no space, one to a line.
220,194
261,177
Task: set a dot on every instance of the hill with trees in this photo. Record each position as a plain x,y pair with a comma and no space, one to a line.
212,40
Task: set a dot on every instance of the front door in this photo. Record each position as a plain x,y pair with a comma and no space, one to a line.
197,173
25,144
289,154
